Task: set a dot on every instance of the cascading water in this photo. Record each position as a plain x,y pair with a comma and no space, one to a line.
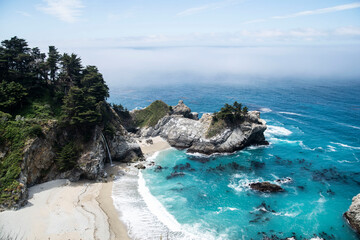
107,148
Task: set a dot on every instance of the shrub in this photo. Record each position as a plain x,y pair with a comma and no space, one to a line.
121,111
67,157
36,131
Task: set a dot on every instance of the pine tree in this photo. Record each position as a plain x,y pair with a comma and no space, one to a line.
52,62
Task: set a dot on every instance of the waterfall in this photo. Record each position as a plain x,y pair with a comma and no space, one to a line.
107,148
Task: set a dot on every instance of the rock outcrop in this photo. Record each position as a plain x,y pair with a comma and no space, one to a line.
39,155
182,131
353,214
266,187
183,110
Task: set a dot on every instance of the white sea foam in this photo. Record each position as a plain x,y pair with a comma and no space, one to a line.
348,125
141,210
254,147
138,108
346,146
291,113
277,131
224,209
241,182
286,214
156,207
153,156
344,161
331,148
265,110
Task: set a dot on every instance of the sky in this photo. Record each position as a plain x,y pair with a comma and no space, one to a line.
135,39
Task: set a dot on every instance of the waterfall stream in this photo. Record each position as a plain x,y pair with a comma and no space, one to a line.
107,148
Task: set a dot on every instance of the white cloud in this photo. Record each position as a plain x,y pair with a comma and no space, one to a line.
65,10
311,12
321,10
210,6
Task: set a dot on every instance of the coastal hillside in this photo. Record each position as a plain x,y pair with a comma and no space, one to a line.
54,121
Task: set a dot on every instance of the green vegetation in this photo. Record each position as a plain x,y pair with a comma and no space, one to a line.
148,117
228,116
13,135
67,157
121,111
36,131
34,88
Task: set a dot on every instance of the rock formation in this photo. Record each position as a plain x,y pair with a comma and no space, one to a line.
353,214
39,156
266,187
182,130
183,110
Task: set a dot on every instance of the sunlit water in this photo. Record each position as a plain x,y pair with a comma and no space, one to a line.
314,135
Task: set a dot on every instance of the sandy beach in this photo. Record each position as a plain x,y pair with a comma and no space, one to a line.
60,209
148,149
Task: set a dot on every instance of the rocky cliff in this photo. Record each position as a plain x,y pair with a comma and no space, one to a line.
182,129
39,155
353,214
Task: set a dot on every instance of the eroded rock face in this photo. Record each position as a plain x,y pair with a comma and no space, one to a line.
353,214
183,132
39,161
266,187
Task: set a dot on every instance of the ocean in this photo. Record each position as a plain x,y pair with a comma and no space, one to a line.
314,152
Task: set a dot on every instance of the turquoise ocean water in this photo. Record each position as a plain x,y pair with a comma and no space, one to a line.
314,135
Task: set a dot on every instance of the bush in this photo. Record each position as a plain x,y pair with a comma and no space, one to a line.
36,131
231,114
121,111
228,116
67,157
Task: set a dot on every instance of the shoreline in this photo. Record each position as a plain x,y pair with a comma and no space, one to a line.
72,210
117,228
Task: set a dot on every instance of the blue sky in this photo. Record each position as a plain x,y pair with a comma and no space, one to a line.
185,22
258,38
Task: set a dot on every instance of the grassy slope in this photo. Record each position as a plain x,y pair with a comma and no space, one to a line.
215,128
148,117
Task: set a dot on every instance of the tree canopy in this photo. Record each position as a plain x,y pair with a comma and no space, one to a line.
27,75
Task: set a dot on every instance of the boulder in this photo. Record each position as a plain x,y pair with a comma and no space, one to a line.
266,187
353,214
181,109
140,166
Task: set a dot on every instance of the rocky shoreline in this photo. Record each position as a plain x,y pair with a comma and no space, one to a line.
353,214
182,129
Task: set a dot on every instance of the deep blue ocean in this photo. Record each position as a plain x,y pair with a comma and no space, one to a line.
314,136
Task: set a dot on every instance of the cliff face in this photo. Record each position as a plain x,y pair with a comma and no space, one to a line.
39,161
185,131
353,214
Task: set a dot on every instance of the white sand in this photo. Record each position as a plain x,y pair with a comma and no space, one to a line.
158,144
63,210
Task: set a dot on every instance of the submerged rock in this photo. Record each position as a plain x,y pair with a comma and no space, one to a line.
353,214
266,187
175,174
